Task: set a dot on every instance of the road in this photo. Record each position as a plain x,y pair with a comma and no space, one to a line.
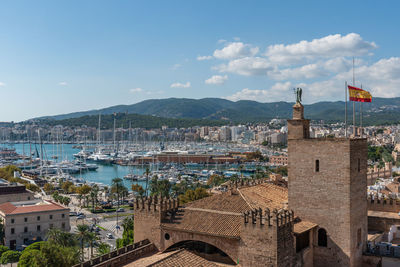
107,225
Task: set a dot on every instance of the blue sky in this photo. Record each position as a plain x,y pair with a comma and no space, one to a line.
65,56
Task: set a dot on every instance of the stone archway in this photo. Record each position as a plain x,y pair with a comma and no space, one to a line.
203,249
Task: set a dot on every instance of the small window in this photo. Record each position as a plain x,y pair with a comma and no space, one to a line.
51,226
38,228
29,198
51,217
317,165
359,165
25,219
63,225
63,215
12,221
25,229
38,218
322,238
12,231
167,237
26,241
358,237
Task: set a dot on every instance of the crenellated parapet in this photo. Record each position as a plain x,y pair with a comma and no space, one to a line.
265,217
246,183
388,204
156,203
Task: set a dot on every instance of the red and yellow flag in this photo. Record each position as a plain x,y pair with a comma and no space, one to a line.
359,95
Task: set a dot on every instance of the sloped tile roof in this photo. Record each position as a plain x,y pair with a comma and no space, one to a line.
9,208
303,226
221,214
183,258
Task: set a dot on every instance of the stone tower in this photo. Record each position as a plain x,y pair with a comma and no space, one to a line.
328,186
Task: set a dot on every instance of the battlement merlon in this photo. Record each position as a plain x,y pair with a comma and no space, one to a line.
156,203
247,182
276,218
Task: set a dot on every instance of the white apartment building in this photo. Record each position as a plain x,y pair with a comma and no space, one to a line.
28,221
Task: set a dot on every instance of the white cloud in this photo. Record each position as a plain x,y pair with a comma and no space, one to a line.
236,50
304,72
200,58
246,66
136,90
217,79
329,46
63,83
2,84
181,85
176,66
275,93
220,41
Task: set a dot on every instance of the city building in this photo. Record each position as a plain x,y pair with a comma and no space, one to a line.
12,192
26,222
278,160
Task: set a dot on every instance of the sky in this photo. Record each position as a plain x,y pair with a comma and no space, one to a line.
65,56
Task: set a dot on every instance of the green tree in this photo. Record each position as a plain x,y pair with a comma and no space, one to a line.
138,190
32,258
3,249
127,235
83,237
59,237
147,172
10,256
48,188
103,248
117,188
192,195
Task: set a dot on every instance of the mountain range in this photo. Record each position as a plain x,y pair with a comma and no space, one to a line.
379,111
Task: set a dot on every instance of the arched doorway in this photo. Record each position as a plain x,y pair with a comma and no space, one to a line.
204,250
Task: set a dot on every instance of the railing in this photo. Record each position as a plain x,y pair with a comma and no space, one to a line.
134,251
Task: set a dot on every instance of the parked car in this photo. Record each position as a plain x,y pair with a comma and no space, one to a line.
110,236
72,213
121,210
81,217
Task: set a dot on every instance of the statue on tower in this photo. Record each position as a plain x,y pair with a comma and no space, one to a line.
298,91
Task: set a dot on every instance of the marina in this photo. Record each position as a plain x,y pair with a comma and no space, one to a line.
100,164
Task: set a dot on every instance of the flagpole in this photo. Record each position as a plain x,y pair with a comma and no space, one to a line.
354,107
361,129
345,109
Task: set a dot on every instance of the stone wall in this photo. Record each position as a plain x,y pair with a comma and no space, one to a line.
382,224
122,256
332,197
267,239
387,205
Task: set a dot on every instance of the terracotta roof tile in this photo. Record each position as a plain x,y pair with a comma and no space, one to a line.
265,196
221,214
183,258
9,208
222,202
212,223
303,226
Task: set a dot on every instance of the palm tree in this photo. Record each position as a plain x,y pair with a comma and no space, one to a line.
147,178
91,238
117,187
103,248
241,167
83,236
61,238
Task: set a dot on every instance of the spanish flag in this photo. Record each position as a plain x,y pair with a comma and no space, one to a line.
359,95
